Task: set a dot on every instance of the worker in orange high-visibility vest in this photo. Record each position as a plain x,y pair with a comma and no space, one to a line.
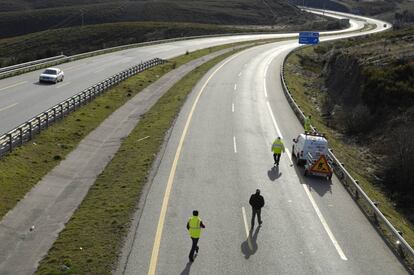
194,226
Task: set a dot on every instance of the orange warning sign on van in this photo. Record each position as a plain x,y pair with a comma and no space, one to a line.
321,166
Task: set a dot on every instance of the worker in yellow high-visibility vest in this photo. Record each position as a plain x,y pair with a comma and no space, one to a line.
277,149
307,124
194,226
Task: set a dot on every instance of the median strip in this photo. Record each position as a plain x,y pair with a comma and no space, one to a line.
102,220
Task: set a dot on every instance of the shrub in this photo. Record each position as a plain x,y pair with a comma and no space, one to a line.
354,121
398,173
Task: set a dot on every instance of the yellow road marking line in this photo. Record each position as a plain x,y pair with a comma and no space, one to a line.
14,85
160,227
8,107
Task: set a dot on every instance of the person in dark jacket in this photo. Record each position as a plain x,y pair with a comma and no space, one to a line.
257,202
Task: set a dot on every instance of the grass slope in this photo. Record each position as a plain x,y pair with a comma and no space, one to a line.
41,15
305,76
102,220
77,40
26,165
74,40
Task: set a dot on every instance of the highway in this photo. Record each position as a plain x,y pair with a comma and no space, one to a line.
216,157
22,97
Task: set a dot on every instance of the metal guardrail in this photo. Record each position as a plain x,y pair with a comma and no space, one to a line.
39,64
27,130
31,66
392,235
27,64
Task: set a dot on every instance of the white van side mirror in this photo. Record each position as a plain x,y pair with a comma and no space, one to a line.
294,140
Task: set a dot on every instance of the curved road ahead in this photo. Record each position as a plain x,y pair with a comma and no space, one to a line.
216,157
215,161
22,97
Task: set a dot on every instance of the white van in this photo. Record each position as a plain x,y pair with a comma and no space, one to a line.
315,144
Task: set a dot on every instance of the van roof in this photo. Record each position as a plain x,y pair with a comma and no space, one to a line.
314,138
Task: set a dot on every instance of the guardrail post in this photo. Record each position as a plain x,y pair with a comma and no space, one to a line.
30,130
61,110
10,136
21,135
400,249
39,120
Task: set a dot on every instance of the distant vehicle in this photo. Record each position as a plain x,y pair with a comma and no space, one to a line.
385,25
52,75
307,143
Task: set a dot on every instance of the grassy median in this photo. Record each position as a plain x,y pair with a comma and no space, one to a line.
92,239
28,164
304,90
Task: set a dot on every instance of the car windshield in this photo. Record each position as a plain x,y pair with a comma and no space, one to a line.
50,72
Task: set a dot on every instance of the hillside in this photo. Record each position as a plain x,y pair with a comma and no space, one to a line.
389,10
18,17
364,91
75,40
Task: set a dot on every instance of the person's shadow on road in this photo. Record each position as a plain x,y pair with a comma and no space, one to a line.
274,173
249,246
187,268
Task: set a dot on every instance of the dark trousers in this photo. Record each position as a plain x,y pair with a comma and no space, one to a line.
276,157
194,248
254,213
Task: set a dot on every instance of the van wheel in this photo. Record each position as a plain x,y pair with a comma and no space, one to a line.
306,173
293,151
298,160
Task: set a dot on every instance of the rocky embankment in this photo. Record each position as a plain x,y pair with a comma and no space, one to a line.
367,95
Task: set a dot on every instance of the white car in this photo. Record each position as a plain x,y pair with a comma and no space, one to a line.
52,75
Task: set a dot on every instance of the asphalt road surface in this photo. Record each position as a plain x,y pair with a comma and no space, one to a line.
22,97
217,156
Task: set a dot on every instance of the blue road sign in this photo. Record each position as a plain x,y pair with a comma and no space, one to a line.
309,38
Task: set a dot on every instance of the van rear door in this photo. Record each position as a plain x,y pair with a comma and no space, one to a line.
316,146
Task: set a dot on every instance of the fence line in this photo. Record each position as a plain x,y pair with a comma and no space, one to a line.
36,65
27,130
393,236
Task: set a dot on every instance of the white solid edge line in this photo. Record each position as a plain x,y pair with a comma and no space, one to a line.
265,89
325,224
246,226
8,107
315,206
234,144
62,85
163,212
